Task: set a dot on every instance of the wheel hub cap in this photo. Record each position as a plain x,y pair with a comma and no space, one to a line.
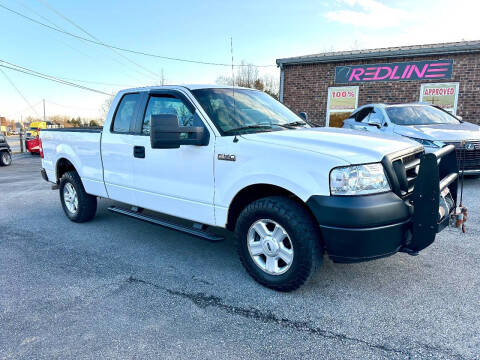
70,198
270,246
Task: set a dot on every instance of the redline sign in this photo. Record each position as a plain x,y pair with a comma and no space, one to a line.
415,70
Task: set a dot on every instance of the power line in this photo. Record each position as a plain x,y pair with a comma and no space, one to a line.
129,50
69,106
69,79
23,110
71,47
18,91
48,77
95,82
97,39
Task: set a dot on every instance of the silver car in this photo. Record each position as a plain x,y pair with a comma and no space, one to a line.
427,124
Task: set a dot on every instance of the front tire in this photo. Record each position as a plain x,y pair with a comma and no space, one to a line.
77,204
278,242
5,158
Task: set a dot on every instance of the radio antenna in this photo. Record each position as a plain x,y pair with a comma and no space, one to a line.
235,139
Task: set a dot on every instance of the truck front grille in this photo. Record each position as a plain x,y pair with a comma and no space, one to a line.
406,171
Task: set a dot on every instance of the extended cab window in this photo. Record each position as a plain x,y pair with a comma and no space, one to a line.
125,113
167,104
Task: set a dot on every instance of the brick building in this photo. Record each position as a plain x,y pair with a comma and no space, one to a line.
329,85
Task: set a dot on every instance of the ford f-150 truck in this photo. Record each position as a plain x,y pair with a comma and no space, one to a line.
238,159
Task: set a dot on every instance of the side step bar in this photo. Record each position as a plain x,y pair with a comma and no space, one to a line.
134,214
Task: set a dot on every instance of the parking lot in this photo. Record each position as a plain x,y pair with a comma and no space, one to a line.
119,288
14,142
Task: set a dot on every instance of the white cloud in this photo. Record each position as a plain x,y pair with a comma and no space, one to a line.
368,13
411,23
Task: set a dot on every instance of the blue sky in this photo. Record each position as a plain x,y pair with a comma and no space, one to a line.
261,30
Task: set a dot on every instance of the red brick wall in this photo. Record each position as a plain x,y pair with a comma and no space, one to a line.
306,86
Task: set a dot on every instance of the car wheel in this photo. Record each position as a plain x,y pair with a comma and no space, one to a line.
77,204
5,158
278,242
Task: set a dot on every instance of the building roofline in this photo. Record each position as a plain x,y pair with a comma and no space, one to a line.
463,47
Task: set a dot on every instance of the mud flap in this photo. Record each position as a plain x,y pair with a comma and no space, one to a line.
437,172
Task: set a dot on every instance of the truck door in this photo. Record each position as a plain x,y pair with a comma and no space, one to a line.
117,150
177,182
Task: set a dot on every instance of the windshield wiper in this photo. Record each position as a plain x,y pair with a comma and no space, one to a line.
248,127
292,124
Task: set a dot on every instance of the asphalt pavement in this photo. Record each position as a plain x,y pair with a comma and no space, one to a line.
119,288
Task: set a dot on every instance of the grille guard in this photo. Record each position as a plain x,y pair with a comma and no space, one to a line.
436,172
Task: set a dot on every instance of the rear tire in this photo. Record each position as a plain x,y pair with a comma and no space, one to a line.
77,204
5,158
294,257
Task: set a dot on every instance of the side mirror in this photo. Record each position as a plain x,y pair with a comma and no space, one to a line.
165,133
304,116
375,123
459,117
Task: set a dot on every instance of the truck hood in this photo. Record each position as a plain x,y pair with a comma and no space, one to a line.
352,146
441,132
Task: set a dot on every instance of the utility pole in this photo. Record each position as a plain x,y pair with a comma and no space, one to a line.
21,134
44,110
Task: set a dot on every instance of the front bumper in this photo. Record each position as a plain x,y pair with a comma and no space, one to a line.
361,228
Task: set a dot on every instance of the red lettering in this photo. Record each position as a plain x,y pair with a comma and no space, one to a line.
392,76
405,71
417,70
370,73
381,68
356,73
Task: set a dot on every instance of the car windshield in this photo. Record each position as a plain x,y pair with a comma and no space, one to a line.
238,111
419,115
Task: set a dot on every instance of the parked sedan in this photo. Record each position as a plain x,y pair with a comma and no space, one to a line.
429,125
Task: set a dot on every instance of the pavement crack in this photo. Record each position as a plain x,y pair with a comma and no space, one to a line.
203,301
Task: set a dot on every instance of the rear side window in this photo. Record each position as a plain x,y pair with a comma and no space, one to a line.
125,113
161,105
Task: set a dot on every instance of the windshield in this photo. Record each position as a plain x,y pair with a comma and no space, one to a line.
419,115
254,111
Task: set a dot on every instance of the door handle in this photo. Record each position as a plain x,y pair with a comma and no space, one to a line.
139,152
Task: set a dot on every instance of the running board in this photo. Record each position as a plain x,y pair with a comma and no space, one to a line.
169,225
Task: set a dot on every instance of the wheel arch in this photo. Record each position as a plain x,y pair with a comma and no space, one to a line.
254,192
62,166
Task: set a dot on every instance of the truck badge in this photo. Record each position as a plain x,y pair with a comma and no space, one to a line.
227,157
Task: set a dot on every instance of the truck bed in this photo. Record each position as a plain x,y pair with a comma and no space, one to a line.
81,147
83,130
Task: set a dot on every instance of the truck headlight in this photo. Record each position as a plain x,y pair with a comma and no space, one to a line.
428,143
358,180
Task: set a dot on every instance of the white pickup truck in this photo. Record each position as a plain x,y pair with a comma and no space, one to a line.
236,158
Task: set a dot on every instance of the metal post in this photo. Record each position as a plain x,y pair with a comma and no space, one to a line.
21,141
44,110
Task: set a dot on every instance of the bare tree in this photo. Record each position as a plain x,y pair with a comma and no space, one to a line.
248,76
106,106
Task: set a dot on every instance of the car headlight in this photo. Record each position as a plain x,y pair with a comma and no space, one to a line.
429,143
358,180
